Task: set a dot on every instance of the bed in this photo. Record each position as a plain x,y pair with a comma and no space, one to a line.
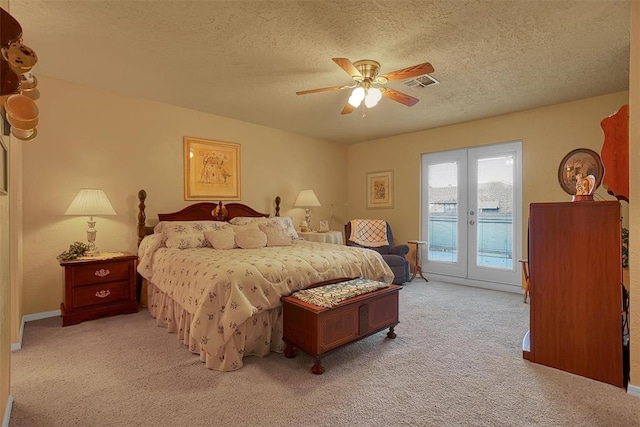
224,302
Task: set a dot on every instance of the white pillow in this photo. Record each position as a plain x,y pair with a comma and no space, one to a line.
177,228
251,239
250,226
223,238
244,220
287,223
186,241
277,235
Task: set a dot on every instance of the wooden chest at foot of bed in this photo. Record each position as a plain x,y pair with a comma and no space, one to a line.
319,330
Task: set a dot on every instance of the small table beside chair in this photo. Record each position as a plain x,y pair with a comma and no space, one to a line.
418,269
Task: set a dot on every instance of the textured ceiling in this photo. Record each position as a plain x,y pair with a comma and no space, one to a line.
246,59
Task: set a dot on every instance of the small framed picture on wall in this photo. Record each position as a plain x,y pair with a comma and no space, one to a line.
380,190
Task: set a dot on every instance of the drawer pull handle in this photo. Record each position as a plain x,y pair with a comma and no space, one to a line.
103,293
102,272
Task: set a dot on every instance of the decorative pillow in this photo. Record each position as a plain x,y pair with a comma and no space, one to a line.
244,220
186,241
251,239
223,238
177,228
277,234
250,226
287,223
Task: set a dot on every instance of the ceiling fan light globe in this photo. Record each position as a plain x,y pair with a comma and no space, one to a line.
373,97
355,101
357,96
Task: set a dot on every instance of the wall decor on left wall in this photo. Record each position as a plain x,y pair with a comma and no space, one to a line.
4,167
211,169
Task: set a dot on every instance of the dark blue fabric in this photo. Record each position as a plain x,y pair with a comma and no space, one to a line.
393,255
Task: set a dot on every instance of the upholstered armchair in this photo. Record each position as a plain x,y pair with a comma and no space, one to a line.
377,235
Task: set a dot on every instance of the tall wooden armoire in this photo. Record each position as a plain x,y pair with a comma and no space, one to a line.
576,288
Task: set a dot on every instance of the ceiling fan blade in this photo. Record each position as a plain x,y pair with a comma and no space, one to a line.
322,89
405,73
348,109
347,66
400,97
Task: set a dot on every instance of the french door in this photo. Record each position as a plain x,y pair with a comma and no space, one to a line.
472,214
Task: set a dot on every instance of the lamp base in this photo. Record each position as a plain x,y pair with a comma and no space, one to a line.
91,238
307,219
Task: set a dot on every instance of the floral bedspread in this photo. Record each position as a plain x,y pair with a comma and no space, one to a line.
224,289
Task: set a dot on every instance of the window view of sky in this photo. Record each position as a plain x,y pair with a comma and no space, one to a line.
497,169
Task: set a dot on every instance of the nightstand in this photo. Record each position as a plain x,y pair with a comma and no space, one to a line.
99,286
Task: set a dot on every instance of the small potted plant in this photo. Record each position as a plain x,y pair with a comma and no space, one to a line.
76,249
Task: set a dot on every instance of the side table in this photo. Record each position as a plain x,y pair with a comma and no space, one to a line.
104,285
418,269
324,237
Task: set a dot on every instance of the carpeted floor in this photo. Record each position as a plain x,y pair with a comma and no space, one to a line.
457,361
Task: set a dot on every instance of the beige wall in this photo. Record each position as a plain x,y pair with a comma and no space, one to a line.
634,196
90,138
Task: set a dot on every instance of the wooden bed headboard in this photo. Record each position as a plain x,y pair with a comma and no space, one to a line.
198,212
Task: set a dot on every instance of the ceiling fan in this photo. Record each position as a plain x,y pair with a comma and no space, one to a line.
365,74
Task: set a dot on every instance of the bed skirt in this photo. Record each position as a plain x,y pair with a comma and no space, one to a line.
258,336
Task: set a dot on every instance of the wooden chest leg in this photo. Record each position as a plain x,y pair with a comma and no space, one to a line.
290,351
317,366
391,334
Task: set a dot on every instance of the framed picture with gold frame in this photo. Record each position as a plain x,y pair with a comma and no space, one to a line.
380,190
211,169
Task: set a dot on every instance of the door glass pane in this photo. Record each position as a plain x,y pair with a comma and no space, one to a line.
495,212
443,212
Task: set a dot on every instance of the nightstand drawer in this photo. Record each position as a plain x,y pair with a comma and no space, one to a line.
100,273
84,296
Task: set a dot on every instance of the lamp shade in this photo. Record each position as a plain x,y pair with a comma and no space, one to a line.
89,202
306,199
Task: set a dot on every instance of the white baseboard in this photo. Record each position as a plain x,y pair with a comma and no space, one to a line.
7,411
43,315
633,390
515,289
18,345
29,318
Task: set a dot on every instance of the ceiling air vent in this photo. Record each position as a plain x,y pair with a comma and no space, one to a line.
420,82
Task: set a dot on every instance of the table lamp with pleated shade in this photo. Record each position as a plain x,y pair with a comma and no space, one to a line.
306,199
91,202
